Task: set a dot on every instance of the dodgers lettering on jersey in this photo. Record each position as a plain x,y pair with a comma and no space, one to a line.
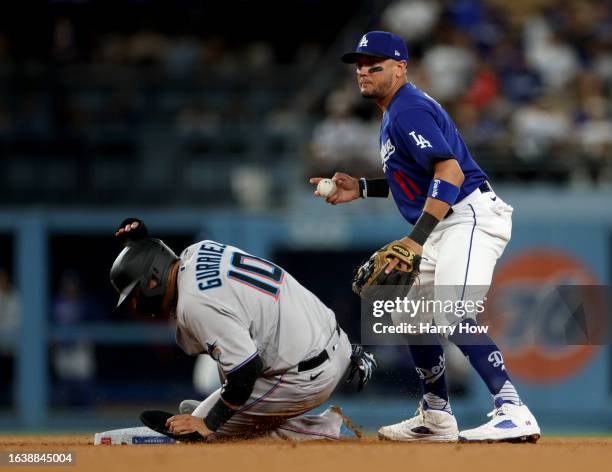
233,305
415,133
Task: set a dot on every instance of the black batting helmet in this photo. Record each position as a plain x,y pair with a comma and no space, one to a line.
138,263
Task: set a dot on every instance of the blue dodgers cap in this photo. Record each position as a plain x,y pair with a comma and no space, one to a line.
379,44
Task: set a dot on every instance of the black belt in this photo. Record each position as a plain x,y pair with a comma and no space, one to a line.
483,187
317,360
313,362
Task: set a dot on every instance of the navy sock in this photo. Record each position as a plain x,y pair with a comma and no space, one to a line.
428,358
486,358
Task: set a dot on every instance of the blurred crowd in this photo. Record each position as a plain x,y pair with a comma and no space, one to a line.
95,94
10,314
73,362
527,82
203,116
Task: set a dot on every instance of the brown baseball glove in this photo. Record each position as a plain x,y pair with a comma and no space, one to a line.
372,272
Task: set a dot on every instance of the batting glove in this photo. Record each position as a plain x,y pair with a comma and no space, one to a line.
362,362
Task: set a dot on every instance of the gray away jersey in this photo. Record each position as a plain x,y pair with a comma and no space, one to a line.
233,305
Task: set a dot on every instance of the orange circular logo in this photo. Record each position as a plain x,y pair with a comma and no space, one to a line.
522,308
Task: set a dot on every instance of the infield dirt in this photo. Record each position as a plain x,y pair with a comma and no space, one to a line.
578,454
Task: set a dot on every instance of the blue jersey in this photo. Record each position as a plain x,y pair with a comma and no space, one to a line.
415,133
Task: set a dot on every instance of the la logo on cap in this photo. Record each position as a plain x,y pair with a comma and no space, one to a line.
364,42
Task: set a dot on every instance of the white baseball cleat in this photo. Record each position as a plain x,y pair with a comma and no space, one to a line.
510,423
187,407
427,425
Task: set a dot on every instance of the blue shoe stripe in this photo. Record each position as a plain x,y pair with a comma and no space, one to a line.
506,424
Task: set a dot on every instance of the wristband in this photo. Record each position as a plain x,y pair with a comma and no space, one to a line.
376,188
363,188
423,228
373,188
218,415
443,190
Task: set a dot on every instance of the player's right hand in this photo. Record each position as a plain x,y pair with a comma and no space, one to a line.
347,188
362,363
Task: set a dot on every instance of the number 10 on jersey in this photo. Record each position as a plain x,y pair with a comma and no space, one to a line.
256,273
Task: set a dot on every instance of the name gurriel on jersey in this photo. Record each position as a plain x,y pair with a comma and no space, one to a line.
208,263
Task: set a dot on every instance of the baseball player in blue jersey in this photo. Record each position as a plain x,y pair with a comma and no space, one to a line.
460,227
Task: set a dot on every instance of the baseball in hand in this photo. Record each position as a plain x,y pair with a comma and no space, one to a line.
326,187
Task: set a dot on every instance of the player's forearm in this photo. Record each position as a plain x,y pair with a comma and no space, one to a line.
442,193
437,208
235,392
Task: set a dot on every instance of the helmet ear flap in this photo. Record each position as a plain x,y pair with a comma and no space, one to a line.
150,298
154,280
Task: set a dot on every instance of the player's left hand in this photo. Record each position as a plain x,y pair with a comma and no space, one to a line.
395,262
184,424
